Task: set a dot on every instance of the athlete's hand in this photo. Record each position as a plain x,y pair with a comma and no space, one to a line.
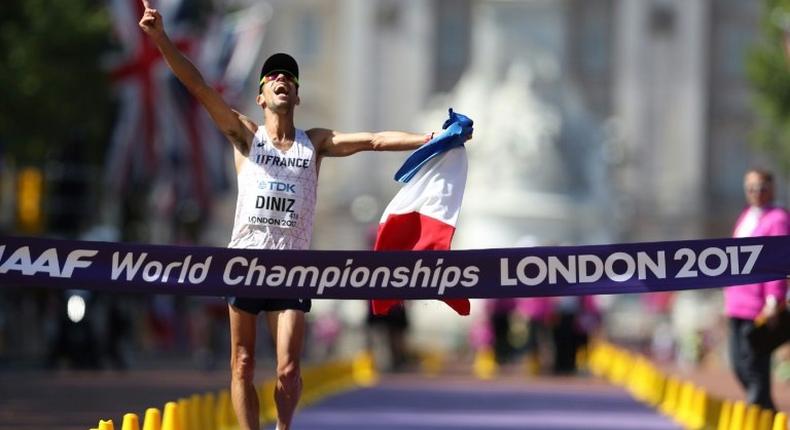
151,22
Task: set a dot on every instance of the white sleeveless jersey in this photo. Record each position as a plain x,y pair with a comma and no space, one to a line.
276,198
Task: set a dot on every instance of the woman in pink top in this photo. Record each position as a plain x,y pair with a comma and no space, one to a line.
745,303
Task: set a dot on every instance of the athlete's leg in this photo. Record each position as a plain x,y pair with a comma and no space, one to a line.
242,368
287,328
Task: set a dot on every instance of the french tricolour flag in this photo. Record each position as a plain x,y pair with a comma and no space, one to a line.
422,216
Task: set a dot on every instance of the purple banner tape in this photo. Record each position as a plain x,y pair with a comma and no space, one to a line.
484,273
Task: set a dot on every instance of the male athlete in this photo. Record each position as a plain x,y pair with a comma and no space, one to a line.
277,167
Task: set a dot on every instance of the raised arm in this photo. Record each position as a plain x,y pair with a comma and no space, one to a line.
228,121
331,143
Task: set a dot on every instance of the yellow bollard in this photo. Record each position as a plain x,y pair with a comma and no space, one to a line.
171,420
105,425
636,379
725,416
431,363
657,389
698,413
152,420
780,421
130,422
670,402
226,417
751,418
766,419
738,415
221,420
485,366
364,369
602,360
195,409
208,412
683,405
183,414
582,359
621,368
595,358
713,407
531,365
648,384
268,410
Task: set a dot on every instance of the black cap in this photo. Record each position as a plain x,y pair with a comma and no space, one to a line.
280,62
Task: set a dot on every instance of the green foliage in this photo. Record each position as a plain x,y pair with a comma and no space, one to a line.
768,69
52,86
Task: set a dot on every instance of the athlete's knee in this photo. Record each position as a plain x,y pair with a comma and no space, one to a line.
288,374
242,365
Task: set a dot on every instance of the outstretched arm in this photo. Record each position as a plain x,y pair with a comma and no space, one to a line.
224,117
331,143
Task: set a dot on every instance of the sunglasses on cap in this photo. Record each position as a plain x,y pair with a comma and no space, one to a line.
271,76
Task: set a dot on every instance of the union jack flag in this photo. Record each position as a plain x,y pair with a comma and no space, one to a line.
161,133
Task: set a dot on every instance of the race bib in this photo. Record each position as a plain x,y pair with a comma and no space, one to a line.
277,203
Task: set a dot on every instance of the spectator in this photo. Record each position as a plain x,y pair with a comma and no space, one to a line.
746,303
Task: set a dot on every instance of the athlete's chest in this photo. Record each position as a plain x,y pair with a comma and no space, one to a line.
297,159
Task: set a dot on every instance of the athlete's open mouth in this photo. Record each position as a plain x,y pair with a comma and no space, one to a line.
281,90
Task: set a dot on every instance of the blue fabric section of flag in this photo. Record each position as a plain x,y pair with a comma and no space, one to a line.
457,129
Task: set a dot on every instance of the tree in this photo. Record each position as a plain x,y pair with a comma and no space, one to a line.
768,69
53,86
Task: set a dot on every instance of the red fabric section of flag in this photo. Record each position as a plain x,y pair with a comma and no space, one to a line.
414,231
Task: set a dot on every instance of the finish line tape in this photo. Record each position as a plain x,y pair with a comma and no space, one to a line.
481,273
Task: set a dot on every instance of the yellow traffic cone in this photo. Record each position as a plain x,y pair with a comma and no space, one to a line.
152,420
130,422
171,419
106,425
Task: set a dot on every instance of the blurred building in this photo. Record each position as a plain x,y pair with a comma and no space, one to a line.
596,121
652,92
684,110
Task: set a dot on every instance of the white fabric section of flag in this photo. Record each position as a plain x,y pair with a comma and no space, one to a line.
436,191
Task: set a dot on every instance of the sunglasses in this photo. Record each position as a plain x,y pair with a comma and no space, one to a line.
756,188
273,76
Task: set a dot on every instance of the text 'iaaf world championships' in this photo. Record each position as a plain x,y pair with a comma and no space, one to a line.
435,273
